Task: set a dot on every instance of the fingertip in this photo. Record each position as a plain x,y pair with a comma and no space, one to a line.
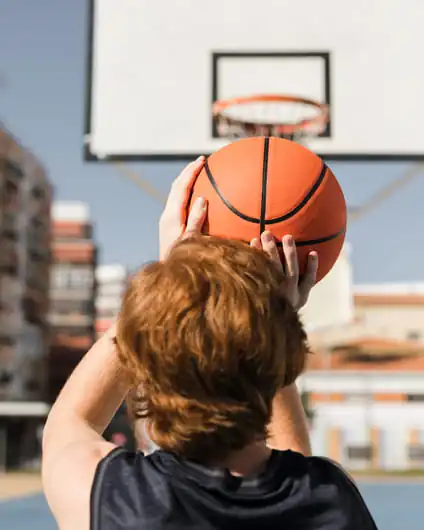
288,240
200,202
267,236
313,262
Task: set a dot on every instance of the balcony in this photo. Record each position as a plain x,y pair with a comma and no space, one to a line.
11,171
81,252
70,319
39,234
72,281
35,306
10,224
76,293
10,321
38,276
9,257
68,231
11,290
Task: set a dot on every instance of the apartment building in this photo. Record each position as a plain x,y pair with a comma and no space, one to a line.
25,233
365,381
391,310
367,400
72,291
111,282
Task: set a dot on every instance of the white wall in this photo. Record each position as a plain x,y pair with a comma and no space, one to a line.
360,382
394,422
391,321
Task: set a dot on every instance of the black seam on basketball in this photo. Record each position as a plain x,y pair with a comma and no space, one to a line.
275,220
304,201
264,186
224,200
307,242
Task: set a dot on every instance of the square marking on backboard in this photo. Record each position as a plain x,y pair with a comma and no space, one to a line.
296,74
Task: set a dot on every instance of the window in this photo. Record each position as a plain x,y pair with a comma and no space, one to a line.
413,335
415,397
10,197
5,377
9,257
107,313
74,331
416,452
7,340
39,238
65,307
6,309
32,385
359,452
65,276
38,192
12,169
10,224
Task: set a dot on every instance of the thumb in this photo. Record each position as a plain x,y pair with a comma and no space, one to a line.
196,217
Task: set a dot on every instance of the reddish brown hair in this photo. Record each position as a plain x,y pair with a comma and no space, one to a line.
208,338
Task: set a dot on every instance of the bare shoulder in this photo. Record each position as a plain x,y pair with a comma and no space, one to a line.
68,483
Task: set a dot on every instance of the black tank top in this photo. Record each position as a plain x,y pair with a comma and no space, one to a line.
161,491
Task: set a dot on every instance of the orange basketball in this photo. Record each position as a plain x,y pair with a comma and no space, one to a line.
270,183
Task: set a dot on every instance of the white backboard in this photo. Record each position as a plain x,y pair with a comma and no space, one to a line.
331,301
155,67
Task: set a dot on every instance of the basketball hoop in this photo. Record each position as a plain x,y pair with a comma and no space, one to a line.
290,117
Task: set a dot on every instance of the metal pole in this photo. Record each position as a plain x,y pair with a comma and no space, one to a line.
355,214
140,182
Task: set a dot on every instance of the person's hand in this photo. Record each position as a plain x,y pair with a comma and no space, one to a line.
297,290
171,224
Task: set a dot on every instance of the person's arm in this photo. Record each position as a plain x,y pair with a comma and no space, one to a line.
72,440
289,426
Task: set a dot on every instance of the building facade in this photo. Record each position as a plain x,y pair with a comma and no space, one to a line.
111,282
368,417
394,310
365,381
72,291
25,241
391,310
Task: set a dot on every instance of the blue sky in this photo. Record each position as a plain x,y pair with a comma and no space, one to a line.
42,76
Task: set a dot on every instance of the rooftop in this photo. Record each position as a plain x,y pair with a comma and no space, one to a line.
71,211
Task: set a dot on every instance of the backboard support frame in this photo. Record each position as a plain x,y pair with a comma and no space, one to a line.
216,56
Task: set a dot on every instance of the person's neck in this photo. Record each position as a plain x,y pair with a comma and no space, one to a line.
250,460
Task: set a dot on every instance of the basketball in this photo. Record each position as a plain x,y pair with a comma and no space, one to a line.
258,184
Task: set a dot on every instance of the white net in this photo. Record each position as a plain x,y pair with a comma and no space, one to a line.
291,119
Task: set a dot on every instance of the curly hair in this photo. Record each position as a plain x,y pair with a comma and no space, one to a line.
208,338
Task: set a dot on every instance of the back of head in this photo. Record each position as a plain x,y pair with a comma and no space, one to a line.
208,338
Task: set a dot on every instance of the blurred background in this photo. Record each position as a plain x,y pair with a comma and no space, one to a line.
101,105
